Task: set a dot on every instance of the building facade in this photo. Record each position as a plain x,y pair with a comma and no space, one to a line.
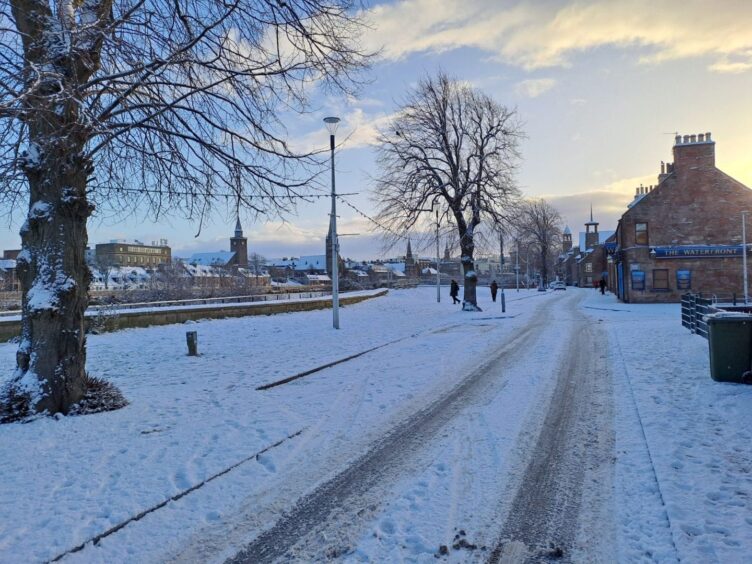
684,234
121,253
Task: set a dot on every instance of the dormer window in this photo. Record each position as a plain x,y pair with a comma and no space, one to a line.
641,233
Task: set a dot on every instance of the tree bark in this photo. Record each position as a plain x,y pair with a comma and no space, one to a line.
470,276
54,277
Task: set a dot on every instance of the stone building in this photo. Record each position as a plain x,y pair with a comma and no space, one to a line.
121,253
239,246
591,259
683,234
411,264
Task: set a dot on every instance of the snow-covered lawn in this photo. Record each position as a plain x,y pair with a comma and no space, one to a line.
66,481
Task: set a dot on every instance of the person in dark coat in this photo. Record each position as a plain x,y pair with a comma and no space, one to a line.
454,290
602,285
494,289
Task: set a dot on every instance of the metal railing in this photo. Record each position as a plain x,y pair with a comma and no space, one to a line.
694,308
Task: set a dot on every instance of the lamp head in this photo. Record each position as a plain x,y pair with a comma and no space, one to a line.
331,124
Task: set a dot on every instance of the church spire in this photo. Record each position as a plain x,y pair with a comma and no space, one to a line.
409,254
238,229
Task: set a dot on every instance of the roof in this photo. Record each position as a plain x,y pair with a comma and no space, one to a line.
220,258
315,262
7,264
567,230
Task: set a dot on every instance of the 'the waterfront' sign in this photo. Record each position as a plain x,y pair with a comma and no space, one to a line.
697,251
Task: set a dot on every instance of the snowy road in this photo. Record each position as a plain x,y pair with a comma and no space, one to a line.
570,442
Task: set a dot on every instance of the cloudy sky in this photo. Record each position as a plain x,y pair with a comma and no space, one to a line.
601,87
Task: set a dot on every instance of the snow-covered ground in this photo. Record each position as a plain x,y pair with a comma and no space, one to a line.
680,489
698,434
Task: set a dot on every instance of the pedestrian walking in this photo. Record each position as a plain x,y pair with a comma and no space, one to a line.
454,290
494,289
602,285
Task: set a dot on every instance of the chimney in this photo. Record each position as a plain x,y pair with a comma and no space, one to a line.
691,152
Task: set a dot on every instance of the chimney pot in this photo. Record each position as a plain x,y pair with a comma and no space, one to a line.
663,167
701,137
677,139
686,138
693,138
707,136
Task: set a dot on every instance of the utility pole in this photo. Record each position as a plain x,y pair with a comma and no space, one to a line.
331,125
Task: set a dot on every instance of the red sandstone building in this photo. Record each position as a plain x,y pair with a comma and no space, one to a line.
684,234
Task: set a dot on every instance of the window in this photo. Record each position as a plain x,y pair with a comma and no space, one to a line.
660,279
638,280
641,233
588,267
683,279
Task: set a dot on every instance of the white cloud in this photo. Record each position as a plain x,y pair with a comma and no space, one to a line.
538,35
358,128
534,87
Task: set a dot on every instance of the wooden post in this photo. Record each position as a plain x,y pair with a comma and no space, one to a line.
192,339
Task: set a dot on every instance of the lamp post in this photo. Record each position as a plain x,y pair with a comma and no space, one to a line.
744,254
438,257
331,126
501,271
517,266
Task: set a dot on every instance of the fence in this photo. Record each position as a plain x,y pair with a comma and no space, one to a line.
694,308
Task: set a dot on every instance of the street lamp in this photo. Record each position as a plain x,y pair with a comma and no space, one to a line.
435,205
331,126
501,270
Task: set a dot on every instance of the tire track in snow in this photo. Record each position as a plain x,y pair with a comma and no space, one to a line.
542,522
334,500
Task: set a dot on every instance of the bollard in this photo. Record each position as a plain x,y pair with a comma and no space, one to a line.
192,338
503,302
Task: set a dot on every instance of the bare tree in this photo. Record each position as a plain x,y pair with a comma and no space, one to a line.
156,105
454,146
105,265
257,263
539,225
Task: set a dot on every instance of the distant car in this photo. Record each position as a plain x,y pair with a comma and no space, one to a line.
558,286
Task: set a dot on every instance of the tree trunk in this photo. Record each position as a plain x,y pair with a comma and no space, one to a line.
544,265
467,246
54,276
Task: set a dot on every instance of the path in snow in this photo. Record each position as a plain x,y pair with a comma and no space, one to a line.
575,438
574,450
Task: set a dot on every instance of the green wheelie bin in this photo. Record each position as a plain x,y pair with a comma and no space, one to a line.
730,341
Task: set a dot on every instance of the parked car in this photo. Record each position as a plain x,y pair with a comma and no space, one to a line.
558,286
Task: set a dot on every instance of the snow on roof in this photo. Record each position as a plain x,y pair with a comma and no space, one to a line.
315,262
567,230
220,258
318,277
7,264
602,236
200,270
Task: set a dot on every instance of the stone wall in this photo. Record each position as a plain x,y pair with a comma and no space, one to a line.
135,319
